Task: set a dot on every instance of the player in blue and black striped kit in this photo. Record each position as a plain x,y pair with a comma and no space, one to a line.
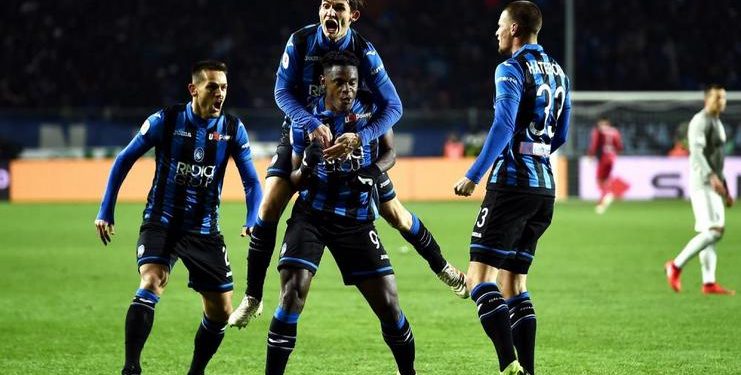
193,143
336,208
296,85
531,119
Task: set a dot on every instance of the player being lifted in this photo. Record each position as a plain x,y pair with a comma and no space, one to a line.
336,209
708,192
297,82
193,143
531,119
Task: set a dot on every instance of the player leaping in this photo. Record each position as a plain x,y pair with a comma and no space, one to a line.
297,82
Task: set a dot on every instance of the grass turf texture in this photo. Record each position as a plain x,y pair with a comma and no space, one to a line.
598,287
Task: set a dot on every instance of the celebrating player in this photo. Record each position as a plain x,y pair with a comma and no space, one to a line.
605,144
193,143
297,82
336,209
708,192
531,119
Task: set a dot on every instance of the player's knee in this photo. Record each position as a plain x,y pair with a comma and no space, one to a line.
154,280
293,295
716,233
219,313
390,310
396,215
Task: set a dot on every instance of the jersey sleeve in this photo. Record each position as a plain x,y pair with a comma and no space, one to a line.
697,142
509,83
148,136
287,77
297,138
561,132
385,97
242,155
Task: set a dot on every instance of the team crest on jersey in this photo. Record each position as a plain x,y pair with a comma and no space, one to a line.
215,136
357,116
198,154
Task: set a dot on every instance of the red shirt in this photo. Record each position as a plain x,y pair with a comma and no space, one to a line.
605,141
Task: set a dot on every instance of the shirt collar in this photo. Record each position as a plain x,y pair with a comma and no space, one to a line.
532,47
197,120
326,43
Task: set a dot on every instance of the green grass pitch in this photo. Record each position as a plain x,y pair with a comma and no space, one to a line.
597,283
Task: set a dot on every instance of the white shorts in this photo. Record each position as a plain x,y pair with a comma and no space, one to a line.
708,208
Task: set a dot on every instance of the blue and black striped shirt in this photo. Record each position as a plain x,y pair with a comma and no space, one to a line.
330,190
191,156
531,120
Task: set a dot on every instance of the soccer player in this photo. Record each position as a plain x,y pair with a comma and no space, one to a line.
605,145
531,119
335,208
708,192
297,82
193,143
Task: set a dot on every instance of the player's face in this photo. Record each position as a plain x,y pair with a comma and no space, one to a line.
715,101
504,33
336,17
341,84
209,93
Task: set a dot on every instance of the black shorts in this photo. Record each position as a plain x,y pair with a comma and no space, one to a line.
281,165
204,256
508,227
385,188
355,245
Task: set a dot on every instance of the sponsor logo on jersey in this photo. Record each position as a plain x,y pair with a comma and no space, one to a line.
352,117
140,251
384,257
316,90
194,175
507,79
476,234
182,133
312,58
377,70
215,136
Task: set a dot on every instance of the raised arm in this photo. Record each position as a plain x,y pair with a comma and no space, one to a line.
385,97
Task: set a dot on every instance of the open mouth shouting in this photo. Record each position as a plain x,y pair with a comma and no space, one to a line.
332,27
216,107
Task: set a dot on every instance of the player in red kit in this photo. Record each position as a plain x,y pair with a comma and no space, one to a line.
605,144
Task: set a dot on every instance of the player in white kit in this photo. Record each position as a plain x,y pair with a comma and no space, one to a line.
708,192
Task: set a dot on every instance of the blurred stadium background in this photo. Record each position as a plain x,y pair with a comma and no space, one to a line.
79,77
